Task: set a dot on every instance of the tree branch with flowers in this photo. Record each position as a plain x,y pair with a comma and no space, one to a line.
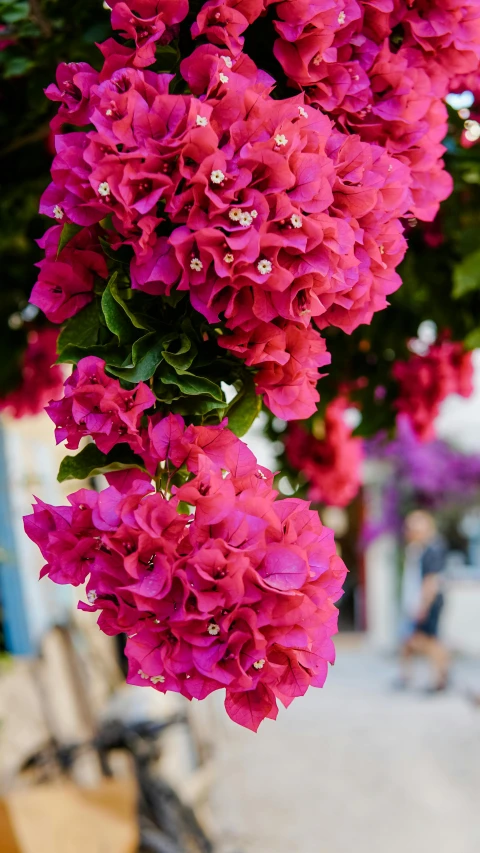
230,181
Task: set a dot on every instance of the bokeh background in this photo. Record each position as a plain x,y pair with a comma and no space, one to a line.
358,766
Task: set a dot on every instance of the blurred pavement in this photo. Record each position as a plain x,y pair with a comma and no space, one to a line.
355,768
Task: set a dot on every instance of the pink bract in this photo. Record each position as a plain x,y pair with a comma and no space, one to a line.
331,465
239,595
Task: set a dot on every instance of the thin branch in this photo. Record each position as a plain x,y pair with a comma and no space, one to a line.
40,19
38,134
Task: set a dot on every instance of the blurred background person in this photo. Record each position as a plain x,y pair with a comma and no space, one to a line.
422,598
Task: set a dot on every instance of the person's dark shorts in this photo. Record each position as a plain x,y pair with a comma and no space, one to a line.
429,625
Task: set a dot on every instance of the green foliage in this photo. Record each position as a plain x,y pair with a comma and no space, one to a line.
466,275
68,231
243,410
91,461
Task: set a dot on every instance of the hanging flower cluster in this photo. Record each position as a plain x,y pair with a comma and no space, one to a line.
237,594
260,209
380,69
331,464
426,380
40,376
199,220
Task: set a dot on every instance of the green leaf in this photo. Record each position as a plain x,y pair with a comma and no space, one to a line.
91,461
68,231
243,410
190,384
18,12
112,355
17,66
115,317
193,407
82,329
183,358
146,355
166,58
138,321
466,275
472,341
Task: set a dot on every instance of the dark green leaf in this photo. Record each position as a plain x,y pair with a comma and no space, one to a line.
472,341
17,12
146,361
193,407
191,384
466,275
120,296
183,357
68,231
16,66
112,355
243,410
116,318
91,461
82,329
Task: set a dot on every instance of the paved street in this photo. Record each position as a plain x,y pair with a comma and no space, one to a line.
355,768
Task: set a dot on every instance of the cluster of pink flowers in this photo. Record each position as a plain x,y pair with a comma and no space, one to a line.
239,594
380,69
426,380
331,464
40,376
96,405
267,215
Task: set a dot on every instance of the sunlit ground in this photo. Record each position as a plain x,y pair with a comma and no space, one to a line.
356,768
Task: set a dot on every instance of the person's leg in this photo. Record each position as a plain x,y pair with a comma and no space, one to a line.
440,659
407,652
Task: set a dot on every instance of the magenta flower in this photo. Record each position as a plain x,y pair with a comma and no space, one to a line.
330,465
239,595
95,404
40,376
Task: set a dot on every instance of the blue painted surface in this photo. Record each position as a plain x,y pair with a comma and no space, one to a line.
15,624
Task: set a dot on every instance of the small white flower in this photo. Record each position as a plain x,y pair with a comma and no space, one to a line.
280,139
92,596
196,264
341,18
264,267
303,112
58,212
217,176
245,219
261,475
202,121
254,214
356,77
296,220
157,679
228,62
104,189
143,675
223,78
318,59
213,629
235,214
109,113
228,258
259,664
382,249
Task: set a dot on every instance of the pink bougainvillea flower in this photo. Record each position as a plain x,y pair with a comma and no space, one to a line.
238,595
40,376
426,380
331,465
